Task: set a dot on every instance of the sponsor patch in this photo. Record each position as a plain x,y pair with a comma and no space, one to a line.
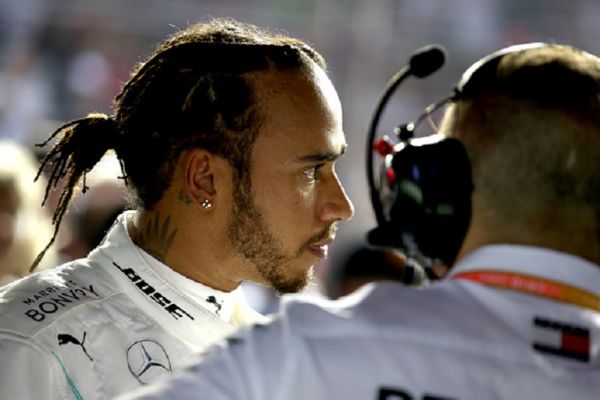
65,338
561,339
169,306
148,360
55,298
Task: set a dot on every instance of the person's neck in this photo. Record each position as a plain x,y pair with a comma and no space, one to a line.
197,254
576,243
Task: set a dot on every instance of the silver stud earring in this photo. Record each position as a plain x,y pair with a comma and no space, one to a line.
206,204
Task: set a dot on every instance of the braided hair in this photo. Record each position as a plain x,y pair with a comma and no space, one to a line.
195,90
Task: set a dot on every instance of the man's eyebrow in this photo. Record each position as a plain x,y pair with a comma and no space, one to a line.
323,157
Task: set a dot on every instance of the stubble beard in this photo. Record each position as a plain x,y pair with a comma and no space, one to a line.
250,236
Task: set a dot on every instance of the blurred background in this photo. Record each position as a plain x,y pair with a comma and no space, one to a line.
60,59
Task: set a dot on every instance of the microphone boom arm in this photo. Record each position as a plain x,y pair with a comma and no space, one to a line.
422,63
389,90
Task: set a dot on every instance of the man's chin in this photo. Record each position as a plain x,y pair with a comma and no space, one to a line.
286,285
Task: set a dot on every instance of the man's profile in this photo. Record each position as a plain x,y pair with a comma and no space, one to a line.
227,135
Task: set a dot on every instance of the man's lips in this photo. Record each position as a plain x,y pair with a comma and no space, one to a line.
321,247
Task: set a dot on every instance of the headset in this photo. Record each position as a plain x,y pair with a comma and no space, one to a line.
422,201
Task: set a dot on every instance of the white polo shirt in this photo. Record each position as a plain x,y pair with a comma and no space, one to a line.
510,322
99,326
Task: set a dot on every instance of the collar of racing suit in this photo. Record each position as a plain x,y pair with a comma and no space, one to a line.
192,311
543,263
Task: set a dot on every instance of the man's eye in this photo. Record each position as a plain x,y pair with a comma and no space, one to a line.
311,173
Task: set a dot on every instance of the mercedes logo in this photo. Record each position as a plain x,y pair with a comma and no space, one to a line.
147,360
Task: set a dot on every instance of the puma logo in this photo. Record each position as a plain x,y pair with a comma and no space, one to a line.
65,338
213,300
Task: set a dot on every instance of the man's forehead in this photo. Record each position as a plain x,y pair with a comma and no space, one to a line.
296,146
309,78
301,113
327,153
300,144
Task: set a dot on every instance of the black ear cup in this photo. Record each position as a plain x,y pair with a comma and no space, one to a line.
426,200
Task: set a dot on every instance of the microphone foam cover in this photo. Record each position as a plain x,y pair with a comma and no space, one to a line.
427,60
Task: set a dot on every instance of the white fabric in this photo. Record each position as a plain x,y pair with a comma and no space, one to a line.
220,303
87,329
453,340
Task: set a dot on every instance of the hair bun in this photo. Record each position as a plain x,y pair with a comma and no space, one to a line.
81,144
106,132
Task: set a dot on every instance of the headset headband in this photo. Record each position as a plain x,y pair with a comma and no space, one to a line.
477,74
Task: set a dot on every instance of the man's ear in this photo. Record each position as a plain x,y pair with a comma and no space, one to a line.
198,171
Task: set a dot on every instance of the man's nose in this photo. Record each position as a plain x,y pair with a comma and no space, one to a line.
337,206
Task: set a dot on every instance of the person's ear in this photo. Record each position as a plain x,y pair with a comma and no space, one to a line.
199,170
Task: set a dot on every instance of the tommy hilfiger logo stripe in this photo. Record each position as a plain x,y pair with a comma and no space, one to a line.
561,339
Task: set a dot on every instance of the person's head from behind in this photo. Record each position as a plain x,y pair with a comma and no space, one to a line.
530,121
234,130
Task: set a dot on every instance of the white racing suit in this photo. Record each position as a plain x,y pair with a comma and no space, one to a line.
466,337
99,326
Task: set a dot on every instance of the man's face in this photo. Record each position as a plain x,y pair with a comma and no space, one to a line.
285,211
